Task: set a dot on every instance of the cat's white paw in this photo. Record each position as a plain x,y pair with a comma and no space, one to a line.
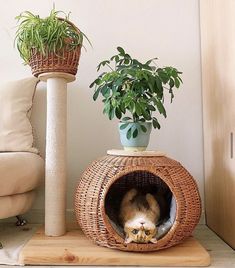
130,194
128,240
153,240
133,191
151,200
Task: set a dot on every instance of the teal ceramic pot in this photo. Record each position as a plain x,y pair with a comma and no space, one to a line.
140,143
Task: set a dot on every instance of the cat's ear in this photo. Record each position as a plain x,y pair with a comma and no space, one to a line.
153,240
128,240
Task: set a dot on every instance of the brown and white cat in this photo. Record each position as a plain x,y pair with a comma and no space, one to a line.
139,214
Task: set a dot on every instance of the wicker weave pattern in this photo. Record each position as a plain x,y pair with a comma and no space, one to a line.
102,174
66,62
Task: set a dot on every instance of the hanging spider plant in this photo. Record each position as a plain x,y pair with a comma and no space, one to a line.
54,35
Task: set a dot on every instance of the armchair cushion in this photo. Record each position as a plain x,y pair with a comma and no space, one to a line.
16,98
20,172
17,204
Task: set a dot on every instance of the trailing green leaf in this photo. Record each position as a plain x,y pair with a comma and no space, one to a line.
111,114
118,113
121,50
156,123
160,106
135,133
128,134
126,118
123,126
143,128
96,94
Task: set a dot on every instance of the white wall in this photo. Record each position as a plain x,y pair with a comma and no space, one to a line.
167,29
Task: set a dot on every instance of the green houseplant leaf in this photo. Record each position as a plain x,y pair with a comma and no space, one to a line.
128,135
135,133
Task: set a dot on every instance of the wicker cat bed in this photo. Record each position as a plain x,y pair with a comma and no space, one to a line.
106,180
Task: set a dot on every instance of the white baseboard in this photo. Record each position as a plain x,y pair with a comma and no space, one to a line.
37,216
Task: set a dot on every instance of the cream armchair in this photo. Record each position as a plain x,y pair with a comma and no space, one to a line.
21,168
20,174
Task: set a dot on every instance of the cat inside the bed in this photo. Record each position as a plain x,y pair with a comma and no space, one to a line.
139,215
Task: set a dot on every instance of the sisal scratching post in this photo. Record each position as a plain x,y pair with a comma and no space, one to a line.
55,170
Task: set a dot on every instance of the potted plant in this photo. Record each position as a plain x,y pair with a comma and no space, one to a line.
51,44
133,91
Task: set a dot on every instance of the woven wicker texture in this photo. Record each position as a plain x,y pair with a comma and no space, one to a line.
106,180
65,60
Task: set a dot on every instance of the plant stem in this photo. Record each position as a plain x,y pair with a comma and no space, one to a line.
110,67
135,118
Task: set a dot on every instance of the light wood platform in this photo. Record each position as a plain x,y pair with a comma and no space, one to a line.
75,249
132,153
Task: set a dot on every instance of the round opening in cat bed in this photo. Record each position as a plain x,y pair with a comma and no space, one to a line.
144,182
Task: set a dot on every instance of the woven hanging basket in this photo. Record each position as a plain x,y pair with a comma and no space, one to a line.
65,60
105,182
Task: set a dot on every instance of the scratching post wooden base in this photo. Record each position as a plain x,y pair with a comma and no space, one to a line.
55,173
75,249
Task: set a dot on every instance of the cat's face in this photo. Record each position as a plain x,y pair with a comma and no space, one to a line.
140,231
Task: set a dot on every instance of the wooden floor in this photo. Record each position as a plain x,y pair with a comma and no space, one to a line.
75,249
222,256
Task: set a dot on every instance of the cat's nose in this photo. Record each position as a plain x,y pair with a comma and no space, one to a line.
142,223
